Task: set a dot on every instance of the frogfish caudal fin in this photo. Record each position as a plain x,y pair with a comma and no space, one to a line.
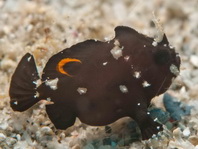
23,88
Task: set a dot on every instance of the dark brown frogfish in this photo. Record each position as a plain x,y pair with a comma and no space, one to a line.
99,82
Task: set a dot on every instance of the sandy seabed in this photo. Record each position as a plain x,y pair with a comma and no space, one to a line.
45,27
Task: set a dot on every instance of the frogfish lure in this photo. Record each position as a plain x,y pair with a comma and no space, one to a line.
99,82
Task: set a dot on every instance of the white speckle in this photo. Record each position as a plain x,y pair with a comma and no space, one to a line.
155,119
95,40
126,58
158,127
148,113
154,43
52,83
186,132
144,46
16,103
29,58
123,89
174,70
82,90
49,99
137,74
165,45
36,95
117,50
146,84
138,104
105,63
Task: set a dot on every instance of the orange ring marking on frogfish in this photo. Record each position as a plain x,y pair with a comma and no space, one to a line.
63,62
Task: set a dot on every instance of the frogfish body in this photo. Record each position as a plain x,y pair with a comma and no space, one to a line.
99,82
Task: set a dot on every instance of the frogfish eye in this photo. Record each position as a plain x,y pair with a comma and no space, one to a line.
162,57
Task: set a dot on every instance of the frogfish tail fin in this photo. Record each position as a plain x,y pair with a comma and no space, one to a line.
23,86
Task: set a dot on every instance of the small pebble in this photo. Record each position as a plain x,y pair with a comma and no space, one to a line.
193,140
194,60
186,132
2,137
46,130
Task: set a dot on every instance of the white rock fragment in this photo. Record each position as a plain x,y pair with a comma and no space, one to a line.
194,60
186,132
29,28
123,89
137,74
144,46
82,90
117,50
154,43
104,64
52,83
138,104
174,70
18,136
2,137
146,84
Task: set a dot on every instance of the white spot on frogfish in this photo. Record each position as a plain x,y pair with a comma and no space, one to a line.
117,50
146,84
52,83
137,74
29,58
123,88
126,58
82,90
174,70
104,64
15,103
154,43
